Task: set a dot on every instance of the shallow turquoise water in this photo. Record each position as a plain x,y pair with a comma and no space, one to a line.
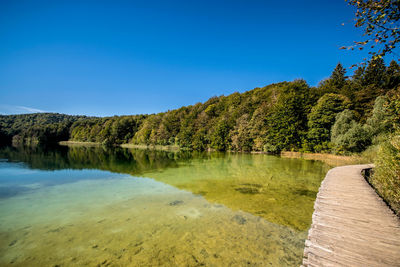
89,206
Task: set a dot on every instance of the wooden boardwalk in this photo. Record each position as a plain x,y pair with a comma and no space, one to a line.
351,224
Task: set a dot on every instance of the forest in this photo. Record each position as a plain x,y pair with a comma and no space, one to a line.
342,115
36,129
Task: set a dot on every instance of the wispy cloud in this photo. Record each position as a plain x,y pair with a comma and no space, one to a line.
28,109
9,109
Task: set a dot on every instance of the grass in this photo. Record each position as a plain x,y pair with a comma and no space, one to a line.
330,159
153,147
78,143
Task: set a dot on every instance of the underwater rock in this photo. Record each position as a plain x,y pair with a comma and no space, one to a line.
239,219
56,230
176,202
248,188
191,213
306,192
252,185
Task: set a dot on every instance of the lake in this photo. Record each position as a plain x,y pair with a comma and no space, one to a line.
73,206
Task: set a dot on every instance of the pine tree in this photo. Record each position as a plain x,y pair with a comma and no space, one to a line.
335,83
358,74
338,78
392,75
375,73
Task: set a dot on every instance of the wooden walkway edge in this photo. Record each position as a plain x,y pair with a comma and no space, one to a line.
351,225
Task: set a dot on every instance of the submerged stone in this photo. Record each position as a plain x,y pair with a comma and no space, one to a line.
176,202
239,219
248,190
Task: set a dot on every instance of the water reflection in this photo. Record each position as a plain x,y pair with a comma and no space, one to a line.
279,190
62,206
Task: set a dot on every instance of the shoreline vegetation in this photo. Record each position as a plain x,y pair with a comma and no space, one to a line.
152,147
345,116
330,159
78,143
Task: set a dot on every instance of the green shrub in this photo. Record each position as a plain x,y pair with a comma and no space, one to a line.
386,178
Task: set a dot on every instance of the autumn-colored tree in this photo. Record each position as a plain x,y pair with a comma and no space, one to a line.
380,21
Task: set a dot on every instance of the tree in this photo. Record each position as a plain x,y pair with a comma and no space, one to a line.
219,138
258,126
184,138
371,85
392,75
321,119
380,21
338,76
335,82
358,75
375,73
345,120
200,141
356,139
393,107
240,135
348,135
286,123
380,120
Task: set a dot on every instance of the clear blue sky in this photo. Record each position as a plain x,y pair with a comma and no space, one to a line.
107,58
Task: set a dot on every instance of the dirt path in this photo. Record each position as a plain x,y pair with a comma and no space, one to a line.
351,226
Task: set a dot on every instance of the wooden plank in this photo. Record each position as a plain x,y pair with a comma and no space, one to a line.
351,226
